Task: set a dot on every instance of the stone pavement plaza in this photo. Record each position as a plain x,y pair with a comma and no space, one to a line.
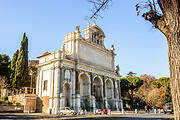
116,116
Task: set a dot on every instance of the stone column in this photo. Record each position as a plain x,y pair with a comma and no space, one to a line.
51,94
116,104
77,91
61,87
114,88
105,103
92,101
73,83
40,83
37,82
56,90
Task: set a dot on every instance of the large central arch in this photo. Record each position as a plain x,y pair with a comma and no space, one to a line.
98,91
85,90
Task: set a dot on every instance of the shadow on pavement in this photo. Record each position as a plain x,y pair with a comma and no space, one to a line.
124,118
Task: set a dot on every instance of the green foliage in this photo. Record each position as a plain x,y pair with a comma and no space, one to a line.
129,85
13,66
124,86
4,70
21,72
4,65
164,82
18,104
4,98
134,83
130,74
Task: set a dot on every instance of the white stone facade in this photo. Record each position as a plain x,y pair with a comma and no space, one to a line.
81,75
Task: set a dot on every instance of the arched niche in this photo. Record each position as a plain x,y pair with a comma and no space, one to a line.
98,87
67,94
85,87
98,91
85,90
109,89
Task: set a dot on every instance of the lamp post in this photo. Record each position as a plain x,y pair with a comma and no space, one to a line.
29,111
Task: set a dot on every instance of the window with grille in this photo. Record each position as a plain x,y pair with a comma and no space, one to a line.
45,85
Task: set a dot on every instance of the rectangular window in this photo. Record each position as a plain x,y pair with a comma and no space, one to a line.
45,85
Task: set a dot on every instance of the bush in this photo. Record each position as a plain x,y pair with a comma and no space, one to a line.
18,104
9,103
4,98
1,102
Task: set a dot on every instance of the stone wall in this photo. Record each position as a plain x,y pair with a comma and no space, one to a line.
28,100
30,103
94,56
17,98
42,104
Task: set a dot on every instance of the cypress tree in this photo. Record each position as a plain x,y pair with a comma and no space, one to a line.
13,67
21,72
4,70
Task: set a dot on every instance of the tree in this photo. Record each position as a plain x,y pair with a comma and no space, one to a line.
164,83
4,65
167,20
4,70
3,82
156,97
21,72
143,91
13,67
134,84
124,86
130,74
130,85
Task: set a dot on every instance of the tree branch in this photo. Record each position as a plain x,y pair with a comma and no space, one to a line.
157,21
101,4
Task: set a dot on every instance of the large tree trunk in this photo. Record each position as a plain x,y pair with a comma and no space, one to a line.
174,63
169,25
171,13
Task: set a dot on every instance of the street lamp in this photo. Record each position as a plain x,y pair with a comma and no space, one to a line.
31,73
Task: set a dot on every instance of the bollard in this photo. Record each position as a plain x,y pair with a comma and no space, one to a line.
136,111
159,110
155,111
122,111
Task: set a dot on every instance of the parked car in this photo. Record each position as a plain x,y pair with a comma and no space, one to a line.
65,111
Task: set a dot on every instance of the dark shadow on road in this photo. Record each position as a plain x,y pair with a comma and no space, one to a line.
124,118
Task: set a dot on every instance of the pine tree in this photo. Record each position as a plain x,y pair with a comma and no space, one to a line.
21,72
13,67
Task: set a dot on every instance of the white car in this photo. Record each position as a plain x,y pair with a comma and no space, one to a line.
65,110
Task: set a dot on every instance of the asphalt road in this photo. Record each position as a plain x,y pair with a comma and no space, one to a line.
35,116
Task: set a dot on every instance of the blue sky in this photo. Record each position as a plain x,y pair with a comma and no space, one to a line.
139,47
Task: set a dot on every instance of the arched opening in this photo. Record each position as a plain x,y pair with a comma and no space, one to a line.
98,92
109,93
85,91
67,95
